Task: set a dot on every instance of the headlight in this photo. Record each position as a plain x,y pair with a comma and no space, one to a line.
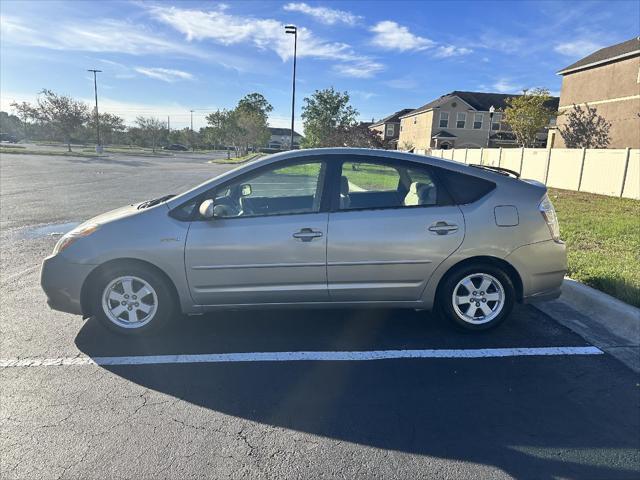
73,235
550,217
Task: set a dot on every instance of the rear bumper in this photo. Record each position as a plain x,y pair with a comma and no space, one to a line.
62,282
542,267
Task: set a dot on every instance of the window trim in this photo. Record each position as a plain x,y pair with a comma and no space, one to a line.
393,129
475,115
440,120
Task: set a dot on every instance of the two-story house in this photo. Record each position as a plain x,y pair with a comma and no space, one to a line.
609,81
388,129
460,120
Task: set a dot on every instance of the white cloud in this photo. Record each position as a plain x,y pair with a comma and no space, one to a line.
361,69
265,34
99,36
329,16
165,74
577,48
505,85
228,29
393,36
446,51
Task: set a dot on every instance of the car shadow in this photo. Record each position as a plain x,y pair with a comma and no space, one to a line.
537,418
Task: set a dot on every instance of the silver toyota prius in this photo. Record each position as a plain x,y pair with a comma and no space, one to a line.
318,228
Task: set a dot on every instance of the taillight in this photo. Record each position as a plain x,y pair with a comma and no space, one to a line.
550,217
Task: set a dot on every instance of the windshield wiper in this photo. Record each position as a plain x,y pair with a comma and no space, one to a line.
155,201
500,170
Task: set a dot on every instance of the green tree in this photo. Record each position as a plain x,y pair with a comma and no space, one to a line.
528,114
63,114
255,103
251,116
112,128
11,124
223,128
324,112
355,136
584,128
151,130
26,113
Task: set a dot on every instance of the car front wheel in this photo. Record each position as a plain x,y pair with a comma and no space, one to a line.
132,300
477,297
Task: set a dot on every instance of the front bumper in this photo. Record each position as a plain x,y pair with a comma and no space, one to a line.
542,267
62,282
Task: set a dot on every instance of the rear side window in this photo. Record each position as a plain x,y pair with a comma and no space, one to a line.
464,188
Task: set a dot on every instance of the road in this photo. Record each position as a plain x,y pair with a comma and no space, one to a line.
539,417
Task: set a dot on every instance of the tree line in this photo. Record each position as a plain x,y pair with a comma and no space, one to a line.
328,117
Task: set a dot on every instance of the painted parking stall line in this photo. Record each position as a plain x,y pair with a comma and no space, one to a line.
331,356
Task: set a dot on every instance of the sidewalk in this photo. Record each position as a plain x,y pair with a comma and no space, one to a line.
604,321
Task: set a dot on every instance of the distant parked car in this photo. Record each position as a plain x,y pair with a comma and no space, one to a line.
176,146
5,137
304,228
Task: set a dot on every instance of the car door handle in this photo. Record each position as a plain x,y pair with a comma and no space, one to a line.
307,234
443,228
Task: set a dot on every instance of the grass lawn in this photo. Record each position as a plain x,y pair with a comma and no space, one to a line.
603,241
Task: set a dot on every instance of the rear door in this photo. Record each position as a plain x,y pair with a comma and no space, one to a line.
392,225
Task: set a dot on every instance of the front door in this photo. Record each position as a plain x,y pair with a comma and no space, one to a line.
267,243
393,226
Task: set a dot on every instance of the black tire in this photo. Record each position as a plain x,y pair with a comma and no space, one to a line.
164,304
445,302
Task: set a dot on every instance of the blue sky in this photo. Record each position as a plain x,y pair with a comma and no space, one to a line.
165,58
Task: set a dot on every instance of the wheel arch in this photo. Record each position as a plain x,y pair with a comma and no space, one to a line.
87,286
509,269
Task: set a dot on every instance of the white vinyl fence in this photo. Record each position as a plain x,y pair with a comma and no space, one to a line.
613,172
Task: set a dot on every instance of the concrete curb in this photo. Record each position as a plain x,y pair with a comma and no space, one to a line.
604,321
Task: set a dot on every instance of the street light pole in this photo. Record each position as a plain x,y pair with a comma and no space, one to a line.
492,110
292,29
95,90
191,135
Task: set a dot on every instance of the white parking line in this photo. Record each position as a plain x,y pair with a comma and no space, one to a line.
340,356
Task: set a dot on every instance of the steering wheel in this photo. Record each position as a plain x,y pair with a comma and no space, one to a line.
226,208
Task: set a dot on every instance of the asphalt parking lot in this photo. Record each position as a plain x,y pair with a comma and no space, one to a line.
78,406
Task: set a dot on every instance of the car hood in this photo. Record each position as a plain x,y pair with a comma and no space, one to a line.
118,213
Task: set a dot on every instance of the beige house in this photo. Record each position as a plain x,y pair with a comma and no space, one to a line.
388,129
608,80
460,120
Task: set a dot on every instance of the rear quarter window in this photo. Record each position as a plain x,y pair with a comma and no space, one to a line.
464,188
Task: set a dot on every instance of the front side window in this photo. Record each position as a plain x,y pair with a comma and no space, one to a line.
477,121
461,120
394,185
444,119
292,189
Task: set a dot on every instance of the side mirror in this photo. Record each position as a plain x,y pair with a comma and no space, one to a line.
207,209
245,190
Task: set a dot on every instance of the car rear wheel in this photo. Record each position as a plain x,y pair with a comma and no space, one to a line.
477,297
132,300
